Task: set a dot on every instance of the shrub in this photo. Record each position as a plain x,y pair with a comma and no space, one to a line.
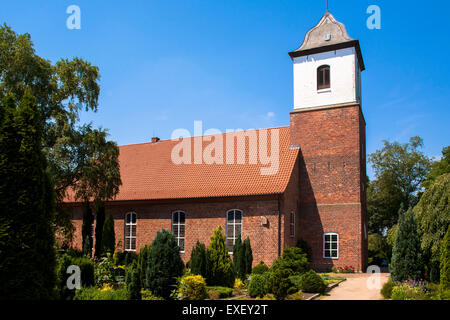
238,284
260,268
133,282
406,255
147,295
198,259
104,271
279,282
93,293
87,274
258,285
306,248
386,291
108,235
142,263
164,264
296,281
217,292
404,292
219,267
268,296
293,259
345,269
311,282
295,296
192,288
445,262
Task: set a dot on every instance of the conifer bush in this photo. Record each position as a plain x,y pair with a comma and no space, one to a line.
198,259
108,236
258,286
220,270
142,263
192,287
247,256
311,282
407,254
260,268
133,282
164,264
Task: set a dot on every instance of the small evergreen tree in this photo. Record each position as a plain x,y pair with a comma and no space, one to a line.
133,282
86,228
406,255
219,267
108,236
239,258
164,264
142,264
198,259
100,217
27,255
445,262
248,256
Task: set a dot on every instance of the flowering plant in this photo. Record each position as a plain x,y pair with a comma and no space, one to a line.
345,269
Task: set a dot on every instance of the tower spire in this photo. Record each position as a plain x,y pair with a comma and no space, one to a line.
327,5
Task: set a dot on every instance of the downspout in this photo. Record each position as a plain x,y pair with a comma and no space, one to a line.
279,226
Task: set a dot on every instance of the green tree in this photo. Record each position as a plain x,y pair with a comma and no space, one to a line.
27,255
142,263
377,248
133,282
100,221
239,258
79,158
399,169
445,262
438,168
86,229
248,256
407,254
219,267
198,259
433,218
164,265
108,236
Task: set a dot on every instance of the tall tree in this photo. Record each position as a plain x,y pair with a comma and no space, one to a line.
239,258
80,160
198,259
100,221
27,255
108,236
248,256
433,218
438,168
407,254
86,229
399,169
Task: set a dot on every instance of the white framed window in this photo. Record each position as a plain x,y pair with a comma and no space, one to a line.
179,228
331,245
234,227
130,231
292,225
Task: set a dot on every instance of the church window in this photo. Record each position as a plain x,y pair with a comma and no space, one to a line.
234,227
178,228
331,245
130,231
323,77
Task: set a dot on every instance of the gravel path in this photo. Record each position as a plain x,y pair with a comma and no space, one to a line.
356,287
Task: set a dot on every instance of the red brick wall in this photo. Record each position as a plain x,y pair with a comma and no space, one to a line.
331,170
201,219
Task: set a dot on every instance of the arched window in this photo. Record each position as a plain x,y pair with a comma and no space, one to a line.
234,227
323,77
178,228
331,245
130,231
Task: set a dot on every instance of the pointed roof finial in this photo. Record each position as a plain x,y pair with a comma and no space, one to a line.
327,5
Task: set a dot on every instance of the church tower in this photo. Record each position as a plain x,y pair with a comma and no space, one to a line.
328,126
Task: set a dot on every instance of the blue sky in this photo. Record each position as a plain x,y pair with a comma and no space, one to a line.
164,64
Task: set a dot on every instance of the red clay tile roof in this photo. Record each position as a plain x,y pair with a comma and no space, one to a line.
148,173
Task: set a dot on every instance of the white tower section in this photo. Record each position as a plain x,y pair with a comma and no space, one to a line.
327,46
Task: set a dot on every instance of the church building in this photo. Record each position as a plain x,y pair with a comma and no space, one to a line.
313,188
